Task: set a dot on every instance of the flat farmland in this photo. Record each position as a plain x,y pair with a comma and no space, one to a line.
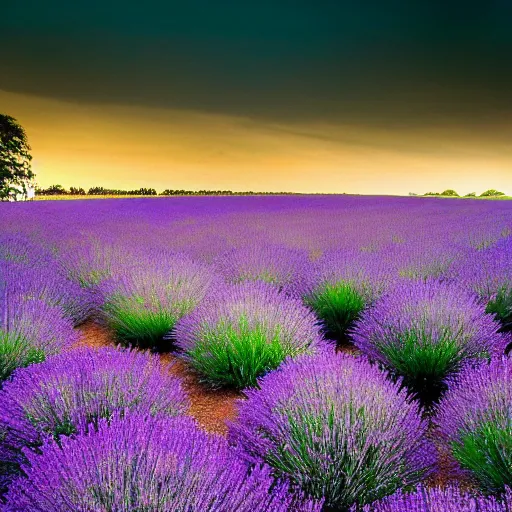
256,353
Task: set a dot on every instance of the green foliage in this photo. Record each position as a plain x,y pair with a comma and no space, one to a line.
15,157
341,480
235,356
134,324
491,193
52,190
182,192
338,306
450,193
471,194
487,452
16,352
77,191
100,191
422,363
501,305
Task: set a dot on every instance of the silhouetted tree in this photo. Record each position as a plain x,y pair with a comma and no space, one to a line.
15,169
77,191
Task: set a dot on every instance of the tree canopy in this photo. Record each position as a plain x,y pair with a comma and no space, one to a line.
15,157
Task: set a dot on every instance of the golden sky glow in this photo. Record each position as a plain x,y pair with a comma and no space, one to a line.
129,147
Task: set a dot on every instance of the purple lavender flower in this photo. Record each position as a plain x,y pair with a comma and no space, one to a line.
336,427
48,284
450,499
424,332
243,331
475,420
30,330
18,248
146,299
344,284
147,463
488,273
68,392
288,269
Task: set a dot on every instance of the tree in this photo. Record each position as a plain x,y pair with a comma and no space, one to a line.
491,193
15,170
77,191
450,193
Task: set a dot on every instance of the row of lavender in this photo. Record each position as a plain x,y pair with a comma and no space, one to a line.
422,300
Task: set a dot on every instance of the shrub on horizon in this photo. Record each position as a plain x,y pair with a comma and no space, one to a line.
448,499
424,332
337,428
491,193
73,391
244,331
30,331
450,193
475,422
147,463
145,300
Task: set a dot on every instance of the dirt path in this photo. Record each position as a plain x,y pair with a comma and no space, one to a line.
211,408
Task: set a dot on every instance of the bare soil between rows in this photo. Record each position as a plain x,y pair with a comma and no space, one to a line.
212,408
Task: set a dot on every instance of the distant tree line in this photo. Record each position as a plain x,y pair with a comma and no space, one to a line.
59,190
181,192
452,193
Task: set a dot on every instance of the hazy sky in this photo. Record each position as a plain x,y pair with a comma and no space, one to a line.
334,96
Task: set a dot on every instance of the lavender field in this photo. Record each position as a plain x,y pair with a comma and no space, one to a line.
226,354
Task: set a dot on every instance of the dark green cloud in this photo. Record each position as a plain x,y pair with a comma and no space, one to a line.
359,61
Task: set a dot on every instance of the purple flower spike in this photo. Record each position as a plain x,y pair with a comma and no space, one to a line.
288,269
450,499
144,300
336,427
243,331
69,392
146,463
425,332
30,330
475,420
50,286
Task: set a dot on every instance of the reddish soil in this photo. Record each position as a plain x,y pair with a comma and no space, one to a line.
211,408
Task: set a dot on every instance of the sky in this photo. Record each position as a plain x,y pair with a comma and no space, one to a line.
270,95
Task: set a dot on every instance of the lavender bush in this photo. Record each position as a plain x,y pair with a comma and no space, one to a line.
424,332
73,391
30,331
475,420
345,283
336,427
450,499
286,268
146,463
489,273
145,300
243,332
48,285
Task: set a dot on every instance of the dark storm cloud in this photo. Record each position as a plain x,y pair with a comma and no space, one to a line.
367,61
